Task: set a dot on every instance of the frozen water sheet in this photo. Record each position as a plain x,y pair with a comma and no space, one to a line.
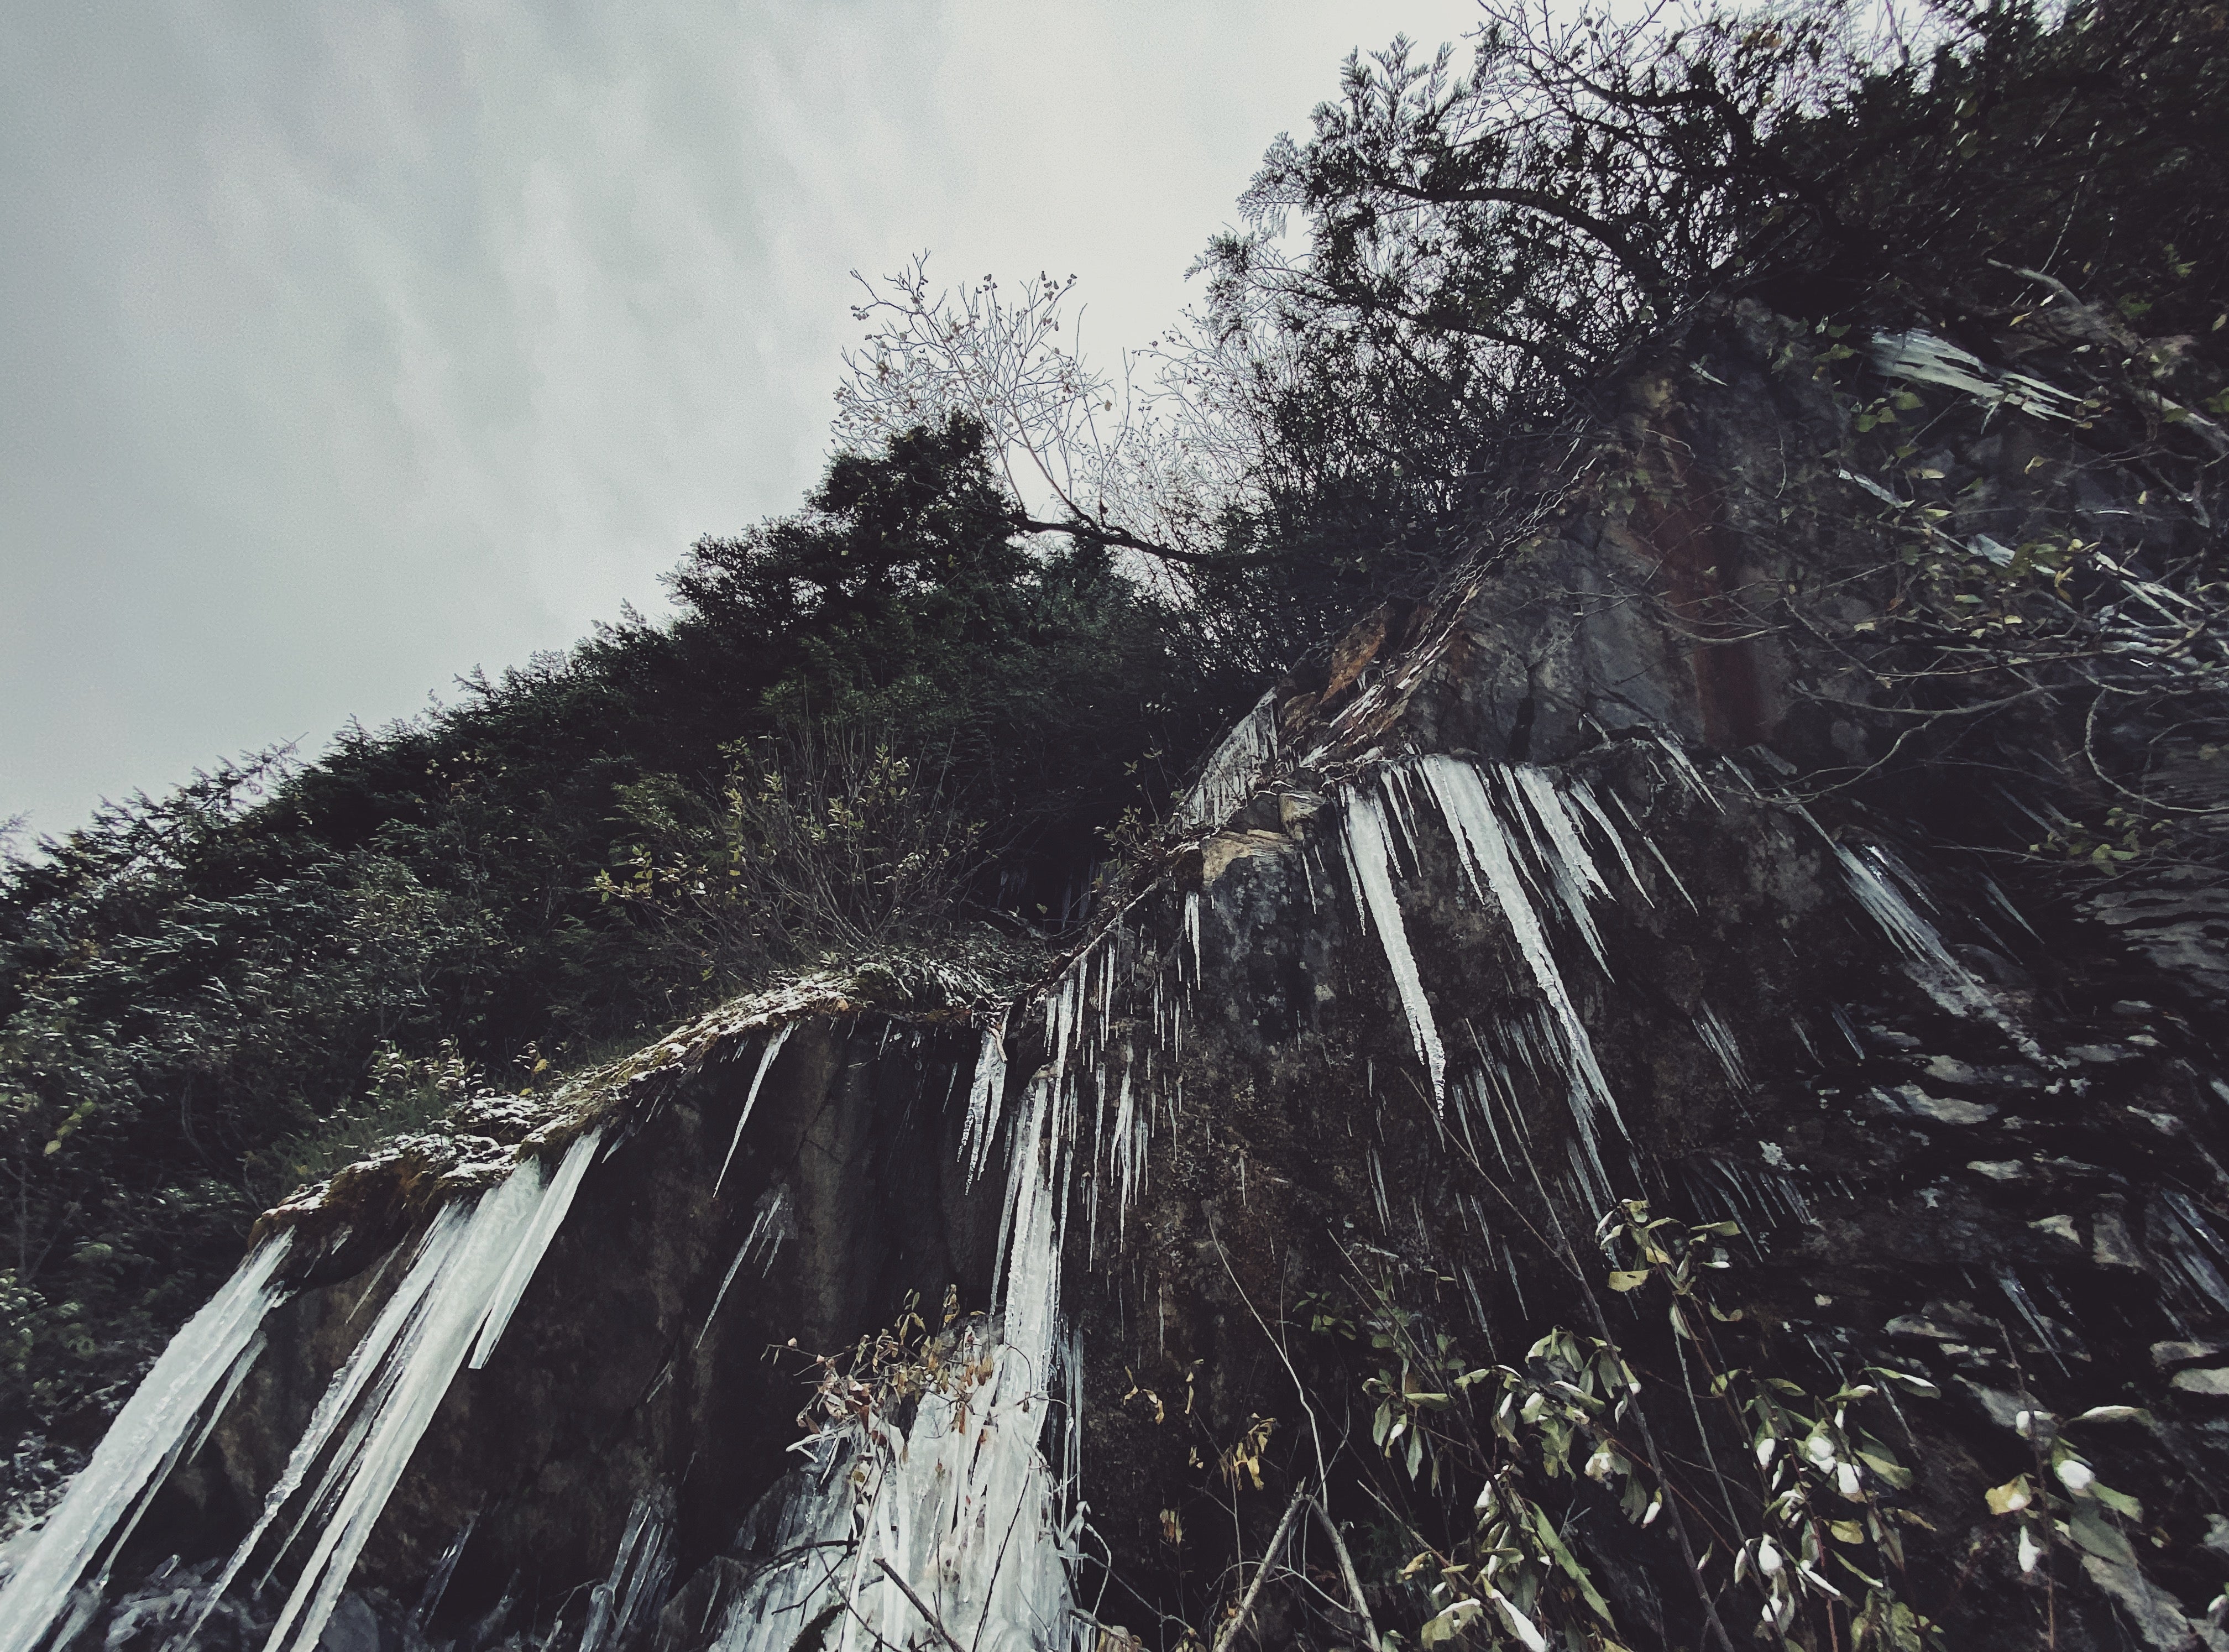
471,1271
149,1435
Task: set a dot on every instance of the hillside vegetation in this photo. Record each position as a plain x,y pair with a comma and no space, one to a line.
903,728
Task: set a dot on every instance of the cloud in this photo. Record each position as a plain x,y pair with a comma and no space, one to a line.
351,344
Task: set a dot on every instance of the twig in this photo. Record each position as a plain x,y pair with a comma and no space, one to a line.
918,1604
1347,1570
1323,1469
1262,1575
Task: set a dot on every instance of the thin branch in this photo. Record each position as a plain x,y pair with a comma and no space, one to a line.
920,1605
1269,1563
1346,1570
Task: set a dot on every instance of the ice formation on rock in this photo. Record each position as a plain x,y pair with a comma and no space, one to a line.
1370,861
1490,860
159,1425
472,1265
958,1513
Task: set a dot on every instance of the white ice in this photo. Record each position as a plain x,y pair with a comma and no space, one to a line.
478,1272
142,1445
962,1504
1370,857
987,1095
774,1048
1489,861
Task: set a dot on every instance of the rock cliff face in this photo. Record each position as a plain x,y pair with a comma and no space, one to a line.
1533,1160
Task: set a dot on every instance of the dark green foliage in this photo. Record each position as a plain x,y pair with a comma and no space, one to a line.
208,997
1483,249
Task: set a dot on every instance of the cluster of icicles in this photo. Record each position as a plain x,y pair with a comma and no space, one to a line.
963,1508
470,1267
961,1516
1115,1017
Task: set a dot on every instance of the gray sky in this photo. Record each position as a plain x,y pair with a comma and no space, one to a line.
344,346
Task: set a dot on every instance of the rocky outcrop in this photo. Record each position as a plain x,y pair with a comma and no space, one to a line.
1530,920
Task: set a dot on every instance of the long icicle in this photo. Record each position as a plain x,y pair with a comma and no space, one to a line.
986,1099
774,1048
1369,855
505,1234
364,1360
1487,858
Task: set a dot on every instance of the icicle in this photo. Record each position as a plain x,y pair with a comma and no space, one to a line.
1034,1104
1463,1115
2016,1292
1803,1037
1492,868
548,1216
774,1048
1236,766
1126,1152
986,1099
1477,1303
1484,1102
1649,844
1369,855
1060,1020
1930,963
770,1225
1925,359
438,1585
1191,926
1585,795
141,1446
1109,948
1509,1266
469,1279
2004,903
1072,1361
2180,1234
1394,782
1684,766
1587,1170
1030,1295
1571,869
1849,1033
364,1360
1720,1043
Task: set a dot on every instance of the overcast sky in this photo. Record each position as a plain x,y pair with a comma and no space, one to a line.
345,346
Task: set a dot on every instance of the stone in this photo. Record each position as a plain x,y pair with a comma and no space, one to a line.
1942,1109
2110,1243
1949,1070
2168,1355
